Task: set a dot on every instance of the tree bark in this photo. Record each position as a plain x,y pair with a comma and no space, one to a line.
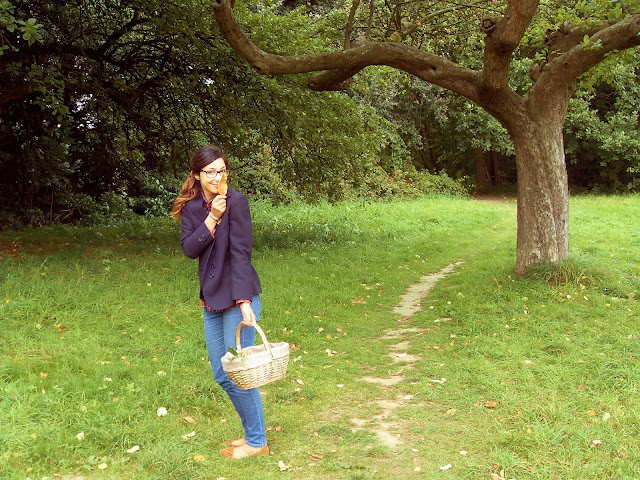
543,193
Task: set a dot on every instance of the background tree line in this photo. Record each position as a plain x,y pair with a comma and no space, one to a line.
102,102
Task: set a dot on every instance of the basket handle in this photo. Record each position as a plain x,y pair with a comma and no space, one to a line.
267,345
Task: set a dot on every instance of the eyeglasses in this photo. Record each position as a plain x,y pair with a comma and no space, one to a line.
214,174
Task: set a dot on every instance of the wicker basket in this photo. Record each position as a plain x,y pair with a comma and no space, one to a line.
256,365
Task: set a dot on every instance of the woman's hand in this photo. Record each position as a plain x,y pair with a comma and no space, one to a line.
218,206
248,317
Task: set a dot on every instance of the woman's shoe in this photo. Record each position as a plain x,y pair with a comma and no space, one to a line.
244,451
235,443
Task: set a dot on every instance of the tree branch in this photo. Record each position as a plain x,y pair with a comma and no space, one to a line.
342,65
503,36
349,28
566,68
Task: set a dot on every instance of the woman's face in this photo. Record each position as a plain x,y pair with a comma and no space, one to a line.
210,176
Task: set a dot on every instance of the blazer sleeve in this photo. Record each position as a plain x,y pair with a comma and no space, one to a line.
196,237
241,236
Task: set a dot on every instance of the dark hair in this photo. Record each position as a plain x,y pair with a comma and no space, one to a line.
191,188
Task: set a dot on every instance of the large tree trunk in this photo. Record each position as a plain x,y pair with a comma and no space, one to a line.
543,193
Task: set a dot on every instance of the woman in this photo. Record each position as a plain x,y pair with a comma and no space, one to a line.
216,229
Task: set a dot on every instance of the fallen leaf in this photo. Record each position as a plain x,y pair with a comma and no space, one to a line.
451,411
606,416
299,382
463,452
189,419
495,476
102,466
490,405
317,457
596,442
80,436
283,467
43,375
199,458
189,435
162,412
134,449
446,467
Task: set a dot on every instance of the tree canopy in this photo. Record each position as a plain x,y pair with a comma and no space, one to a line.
102,102
400,35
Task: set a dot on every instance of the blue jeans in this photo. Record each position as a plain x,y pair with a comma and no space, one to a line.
220,334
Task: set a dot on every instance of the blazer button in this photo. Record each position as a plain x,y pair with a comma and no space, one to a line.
213,266
211,276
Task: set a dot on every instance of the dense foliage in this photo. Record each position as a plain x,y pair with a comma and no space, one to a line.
102,102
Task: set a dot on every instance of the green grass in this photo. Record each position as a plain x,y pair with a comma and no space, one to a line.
99,327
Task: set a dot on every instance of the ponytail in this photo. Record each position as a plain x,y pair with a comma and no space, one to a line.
190,190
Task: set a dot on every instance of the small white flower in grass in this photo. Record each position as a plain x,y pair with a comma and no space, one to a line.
80,436
162,412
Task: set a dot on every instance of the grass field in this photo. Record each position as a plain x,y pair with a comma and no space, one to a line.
497,376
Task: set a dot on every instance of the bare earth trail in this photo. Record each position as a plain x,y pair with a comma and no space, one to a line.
390,428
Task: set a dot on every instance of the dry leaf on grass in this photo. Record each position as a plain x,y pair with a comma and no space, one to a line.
189,435
134,449
283,467
199,458
189,419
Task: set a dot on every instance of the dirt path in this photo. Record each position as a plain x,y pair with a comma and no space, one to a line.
390,428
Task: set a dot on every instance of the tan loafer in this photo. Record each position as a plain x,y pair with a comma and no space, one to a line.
244,451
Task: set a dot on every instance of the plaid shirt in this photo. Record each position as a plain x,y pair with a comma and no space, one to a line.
206,204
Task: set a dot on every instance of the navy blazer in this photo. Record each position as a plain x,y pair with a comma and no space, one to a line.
224,262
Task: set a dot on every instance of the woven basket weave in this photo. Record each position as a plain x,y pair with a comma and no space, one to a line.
256,365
